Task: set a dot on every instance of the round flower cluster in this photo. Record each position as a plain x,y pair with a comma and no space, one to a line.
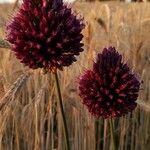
45,34
110,89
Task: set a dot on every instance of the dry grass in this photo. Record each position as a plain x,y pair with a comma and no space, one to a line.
29,119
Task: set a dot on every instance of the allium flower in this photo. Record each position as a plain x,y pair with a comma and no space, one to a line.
45,34
110,89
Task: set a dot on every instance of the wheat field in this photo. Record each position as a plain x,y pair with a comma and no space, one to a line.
29,118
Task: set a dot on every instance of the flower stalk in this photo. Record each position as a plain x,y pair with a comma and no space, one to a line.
112,134
60,104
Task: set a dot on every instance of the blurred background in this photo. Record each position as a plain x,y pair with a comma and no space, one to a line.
12,1
29,119
7,1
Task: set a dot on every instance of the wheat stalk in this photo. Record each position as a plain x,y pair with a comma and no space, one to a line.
144,105
4,44
10,94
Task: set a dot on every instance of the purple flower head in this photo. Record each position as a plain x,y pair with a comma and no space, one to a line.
110,89
45,34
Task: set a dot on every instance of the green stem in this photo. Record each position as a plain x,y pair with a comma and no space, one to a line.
96,134
112,134
62,110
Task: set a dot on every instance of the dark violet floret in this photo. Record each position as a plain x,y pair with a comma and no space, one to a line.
110,89
45,34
